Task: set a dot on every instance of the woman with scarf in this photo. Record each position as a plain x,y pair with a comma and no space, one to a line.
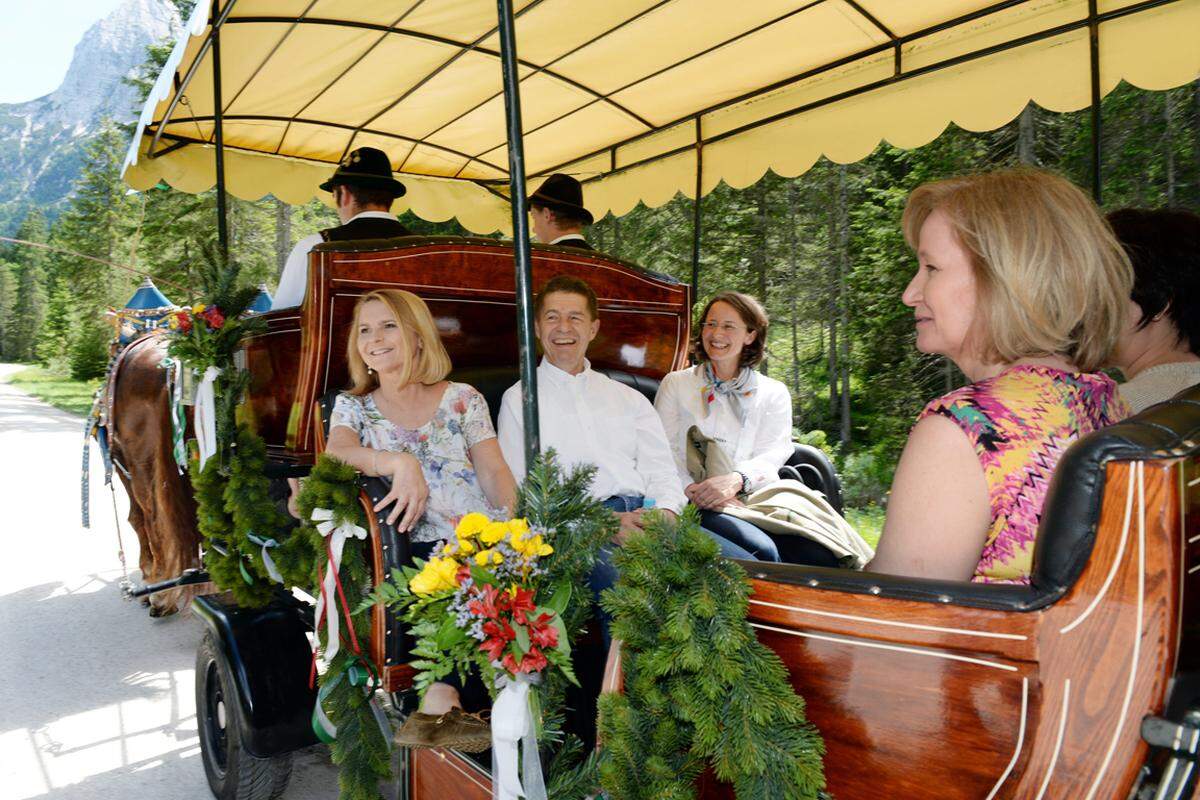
747,414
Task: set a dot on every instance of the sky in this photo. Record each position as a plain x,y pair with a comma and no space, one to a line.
37,39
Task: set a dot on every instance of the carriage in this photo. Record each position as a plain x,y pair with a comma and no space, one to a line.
1083,684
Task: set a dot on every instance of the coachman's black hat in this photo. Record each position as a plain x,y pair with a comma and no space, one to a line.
366,167
563,192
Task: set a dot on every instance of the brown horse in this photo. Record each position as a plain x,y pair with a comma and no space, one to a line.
162,509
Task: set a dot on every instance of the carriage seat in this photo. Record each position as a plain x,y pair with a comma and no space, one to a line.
1069,518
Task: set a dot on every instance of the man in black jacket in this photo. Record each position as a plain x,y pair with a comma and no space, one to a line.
363,192
558,213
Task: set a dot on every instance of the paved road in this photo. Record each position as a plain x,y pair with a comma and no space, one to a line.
96,698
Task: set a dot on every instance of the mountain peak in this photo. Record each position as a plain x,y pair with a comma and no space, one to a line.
41,140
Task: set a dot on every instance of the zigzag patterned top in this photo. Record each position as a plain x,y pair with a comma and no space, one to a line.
1019,423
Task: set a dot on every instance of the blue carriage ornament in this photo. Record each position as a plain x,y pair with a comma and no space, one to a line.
262,302
146,310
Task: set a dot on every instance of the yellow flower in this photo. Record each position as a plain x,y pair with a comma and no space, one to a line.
493,532
471,524
497,558
438,575
518,527
173,322
538,547
482,557
198,308
465,547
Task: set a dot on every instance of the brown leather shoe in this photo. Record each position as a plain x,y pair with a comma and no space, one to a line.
456,729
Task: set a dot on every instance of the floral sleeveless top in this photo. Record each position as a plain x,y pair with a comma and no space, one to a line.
1020,423
442,445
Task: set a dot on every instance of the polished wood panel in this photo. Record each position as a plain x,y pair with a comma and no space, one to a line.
273,360
439,774
937,701
469,285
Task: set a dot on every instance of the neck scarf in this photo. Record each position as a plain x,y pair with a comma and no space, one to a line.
739,390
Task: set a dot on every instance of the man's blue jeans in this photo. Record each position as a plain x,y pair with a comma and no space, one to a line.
604,574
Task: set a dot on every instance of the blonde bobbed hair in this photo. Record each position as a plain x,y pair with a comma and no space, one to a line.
1051,277
432,362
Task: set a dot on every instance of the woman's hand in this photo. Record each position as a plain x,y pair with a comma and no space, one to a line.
715,492
409,490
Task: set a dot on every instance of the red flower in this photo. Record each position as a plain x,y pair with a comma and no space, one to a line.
499,633
185,322
213,316
521,603
493,648
533,661
485,607
463,573
542,633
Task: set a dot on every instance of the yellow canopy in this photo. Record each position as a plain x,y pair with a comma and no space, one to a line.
631,96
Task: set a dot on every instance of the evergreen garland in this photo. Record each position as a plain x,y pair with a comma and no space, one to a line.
361,750
562,503
700,689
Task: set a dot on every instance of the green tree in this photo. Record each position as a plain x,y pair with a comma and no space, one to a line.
28,307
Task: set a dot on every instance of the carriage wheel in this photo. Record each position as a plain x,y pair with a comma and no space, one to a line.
233,773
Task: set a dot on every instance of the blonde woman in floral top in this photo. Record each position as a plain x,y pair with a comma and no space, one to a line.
434,439
1023,286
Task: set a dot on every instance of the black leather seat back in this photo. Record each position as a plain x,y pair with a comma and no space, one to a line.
1072,508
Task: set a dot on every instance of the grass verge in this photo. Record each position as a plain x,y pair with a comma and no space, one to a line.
57,389
867,521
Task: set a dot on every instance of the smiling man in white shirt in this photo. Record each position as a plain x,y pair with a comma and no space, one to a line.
588,418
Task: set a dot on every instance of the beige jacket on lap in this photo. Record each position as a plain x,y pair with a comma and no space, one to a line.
783,506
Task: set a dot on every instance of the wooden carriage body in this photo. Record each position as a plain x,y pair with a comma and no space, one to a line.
921,689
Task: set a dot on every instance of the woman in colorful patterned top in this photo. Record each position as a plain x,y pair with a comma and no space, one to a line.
433,438
1022,285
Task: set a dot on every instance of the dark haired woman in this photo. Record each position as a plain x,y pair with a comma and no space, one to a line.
748,414
1159,350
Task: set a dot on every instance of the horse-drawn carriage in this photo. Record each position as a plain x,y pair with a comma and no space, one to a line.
1083,684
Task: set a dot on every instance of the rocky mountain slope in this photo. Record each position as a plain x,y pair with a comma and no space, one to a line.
41,141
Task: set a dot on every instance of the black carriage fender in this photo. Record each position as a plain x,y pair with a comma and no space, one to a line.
270,658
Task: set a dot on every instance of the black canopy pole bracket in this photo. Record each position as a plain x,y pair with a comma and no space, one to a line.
524,284
219,134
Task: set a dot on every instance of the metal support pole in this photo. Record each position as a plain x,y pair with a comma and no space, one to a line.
1097,131
696,215
219,133
524,290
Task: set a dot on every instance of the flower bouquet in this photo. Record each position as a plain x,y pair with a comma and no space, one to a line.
483,600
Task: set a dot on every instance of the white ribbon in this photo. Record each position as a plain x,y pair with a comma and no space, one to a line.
206,415
340,530
512,726
268,562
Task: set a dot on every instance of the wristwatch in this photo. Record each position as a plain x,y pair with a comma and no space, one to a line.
745,481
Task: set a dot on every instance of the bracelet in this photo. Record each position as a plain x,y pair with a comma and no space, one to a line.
745,481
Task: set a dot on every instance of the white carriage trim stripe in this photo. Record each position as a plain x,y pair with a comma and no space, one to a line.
1193,569
1116,563
913,625
1062,726
897,648
1020,740
1193,482
1137,631
462,771
1182,512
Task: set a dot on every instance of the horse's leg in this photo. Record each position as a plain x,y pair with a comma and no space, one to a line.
137,521
176,535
